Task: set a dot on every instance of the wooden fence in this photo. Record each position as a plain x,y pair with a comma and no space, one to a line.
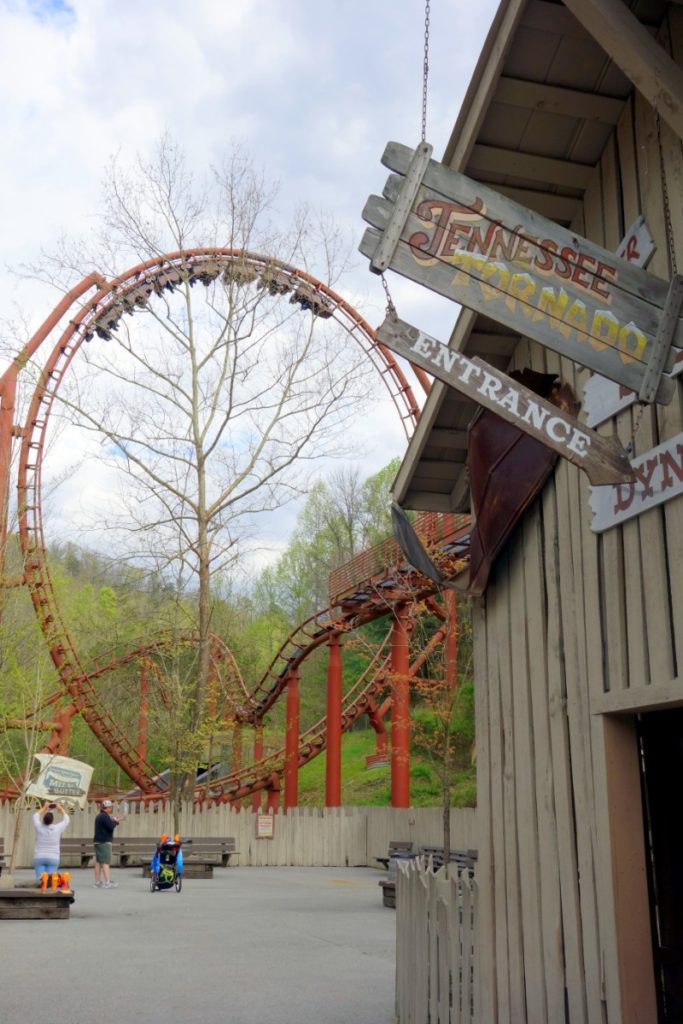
305,836
435,945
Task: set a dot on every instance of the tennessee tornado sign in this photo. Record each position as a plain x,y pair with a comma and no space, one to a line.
603,459
475,246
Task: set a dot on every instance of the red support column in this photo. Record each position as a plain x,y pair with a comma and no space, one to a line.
273,795
143,714
334,724
400,709
452,640
257,797
292,742
8,389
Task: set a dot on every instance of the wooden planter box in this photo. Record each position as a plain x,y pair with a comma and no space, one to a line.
30,904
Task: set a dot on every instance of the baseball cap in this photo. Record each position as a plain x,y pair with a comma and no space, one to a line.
107,803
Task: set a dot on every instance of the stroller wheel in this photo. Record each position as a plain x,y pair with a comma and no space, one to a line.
178,883
153,879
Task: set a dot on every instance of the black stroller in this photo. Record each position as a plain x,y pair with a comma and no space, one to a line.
167,864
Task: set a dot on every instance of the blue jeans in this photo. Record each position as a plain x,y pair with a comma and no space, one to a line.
39,866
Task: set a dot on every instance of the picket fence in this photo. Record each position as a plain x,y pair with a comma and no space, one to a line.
435,944
304,836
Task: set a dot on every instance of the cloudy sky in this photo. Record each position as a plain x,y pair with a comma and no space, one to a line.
313,89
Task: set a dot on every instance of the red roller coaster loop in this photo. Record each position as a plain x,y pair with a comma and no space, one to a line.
98,316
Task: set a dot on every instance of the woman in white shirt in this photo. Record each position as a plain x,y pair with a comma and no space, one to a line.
48,835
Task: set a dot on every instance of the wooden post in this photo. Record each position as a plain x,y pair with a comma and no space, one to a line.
257,797
629,871
292,742
334,724
400,709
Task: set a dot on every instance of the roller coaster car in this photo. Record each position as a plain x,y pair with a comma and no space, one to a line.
167,865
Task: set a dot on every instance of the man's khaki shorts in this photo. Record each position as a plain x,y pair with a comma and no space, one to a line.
103,853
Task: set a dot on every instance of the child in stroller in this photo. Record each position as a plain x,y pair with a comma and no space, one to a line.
167,864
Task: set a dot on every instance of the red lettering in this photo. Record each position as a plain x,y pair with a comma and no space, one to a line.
452,238
503,243
604,275
579,276
482,245
563,264
623,500
544,258
645,472
668,463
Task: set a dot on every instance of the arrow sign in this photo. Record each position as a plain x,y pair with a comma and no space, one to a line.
469,243
602,459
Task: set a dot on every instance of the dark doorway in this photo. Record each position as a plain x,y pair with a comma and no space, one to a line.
661,765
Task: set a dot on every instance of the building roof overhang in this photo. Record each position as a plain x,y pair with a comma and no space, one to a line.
542,106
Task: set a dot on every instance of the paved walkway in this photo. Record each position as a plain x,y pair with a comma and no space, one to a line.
251,946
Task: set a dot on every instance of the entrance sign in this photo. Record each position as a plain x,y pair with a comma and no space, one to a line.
469,243
658,478
603,459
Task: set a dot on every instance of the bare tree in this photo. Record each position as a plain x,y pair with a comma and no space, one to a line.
214,402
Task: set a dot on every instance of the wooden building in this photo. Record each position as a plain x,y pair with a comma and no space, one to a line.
575,110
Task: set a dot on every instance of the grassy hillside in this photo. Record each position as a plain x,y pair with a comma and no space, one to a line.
372,786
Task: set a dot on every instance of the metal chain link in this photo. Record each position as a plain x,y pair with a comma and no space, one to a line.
425,72
391,308
665,194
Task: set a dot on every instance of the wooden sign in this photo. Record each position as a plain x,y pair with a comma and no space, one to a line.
265,826
658,478
602,459
469,243
603,399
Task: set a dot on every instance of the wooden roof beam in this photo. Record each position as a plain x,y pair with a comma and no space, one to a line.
547,170
554,99
640,57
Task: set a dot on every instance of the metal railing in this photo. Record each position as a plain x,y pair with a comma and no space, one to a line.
433,529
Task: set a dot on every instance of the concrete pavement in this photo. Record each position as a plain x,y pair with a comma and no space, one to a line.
251,946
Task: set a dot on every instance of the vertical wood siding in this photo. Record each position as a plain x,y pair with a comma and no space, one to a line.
574,625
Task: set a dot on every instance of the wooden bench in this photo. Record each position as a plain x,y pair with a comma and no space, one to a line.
77,848
132,851
400,846
465,859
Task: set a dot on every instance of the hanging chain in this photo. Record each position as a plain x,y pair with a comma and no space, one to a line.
665,194
425,72
391,308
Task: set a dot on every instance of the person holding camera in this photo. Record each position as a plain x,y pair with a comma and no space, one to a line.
105,823
46,852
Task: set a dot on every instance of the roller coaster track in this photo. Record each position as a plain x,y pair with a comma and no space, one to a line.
356,702
98,316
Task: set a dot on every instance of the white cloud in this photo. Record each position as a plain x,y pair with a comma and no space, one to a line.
315,90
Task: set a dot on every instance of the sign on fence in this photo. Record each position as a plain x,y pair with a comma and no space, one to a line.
475,246
603,459
265,826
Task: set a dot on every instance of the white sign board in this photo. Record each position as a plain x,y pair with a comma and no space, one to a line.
659,477
61,778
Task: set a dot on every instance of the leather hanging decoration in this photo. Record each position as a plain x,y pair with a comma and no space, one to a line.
507,471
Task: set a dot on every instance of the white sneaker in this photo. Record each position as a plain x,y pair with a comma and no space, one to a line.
110,885
98,885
